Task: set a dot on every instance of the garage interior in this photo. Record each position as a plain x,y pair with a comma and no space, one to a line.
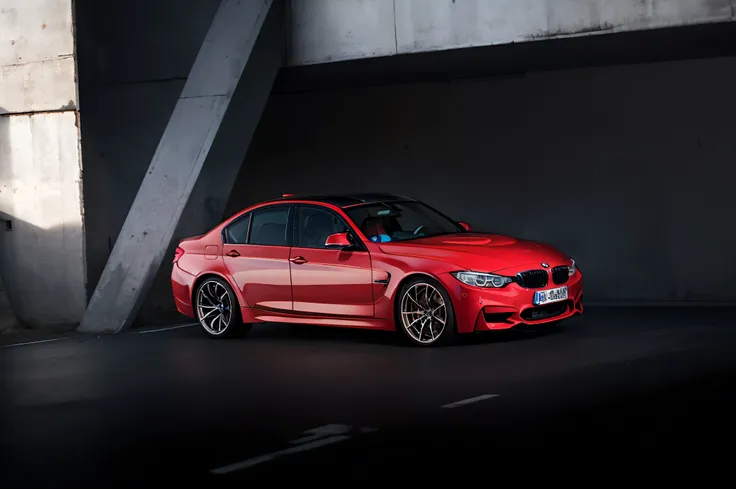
616,147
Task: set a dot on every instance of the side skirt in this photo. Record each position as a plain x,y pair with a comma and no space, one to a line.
254,315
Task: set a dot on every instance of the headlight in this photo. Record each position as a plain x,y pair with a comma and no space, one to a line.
572,269
477,279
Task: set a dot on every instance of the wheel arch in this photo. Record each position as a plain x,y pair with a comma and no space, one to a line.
400,285
210,274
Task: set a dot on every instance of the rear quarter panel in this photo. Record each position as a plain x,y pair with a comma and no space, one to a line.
203,257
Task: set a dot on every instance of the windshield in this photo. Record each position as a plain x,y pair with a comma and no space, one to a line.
400,221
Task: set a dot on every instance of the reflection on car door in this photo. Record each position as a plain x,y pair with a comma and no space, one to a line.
256,253
327,281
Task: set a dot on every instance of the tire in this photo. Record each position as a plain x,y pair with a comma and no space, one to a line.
411,297
217,309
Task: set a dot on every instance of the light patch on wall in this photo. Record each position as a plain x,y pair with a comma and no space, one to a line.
39,169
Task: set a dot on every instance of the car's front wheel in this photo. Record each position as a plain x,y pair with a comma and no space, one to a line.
424,312
217,308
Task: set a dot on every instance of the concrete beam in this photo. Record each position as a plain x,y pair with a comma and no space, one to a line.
176,165
323,31
430,25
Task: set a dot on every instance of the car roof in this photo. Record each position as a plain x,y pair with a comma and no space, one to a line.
344,200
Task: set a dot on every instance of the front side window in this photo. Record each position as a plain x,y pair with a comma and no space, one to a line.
269,227
400,221
313,225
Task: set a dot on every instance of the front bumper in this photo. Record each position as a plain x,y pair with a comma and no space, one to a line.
481,309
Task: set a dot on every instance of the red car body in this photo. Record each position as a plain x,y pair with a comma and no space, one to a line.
358,288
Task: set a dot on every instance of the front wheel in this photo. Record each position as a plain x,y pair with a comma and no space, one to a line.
424,313
217,308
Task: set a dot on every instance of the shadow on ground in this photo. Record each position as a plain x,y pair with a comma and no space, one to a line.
306,333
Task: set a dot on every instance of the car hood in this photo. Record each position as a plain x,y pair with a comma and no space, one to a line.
478,252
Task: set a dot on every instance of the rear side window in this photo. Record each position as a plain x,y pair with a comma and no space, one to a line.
237,232
269,227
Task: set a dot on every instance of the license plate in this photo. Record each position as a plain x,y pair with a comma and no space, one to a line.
549,296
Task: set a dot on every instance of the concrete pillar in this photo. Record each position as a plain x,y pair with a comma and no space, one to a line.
207,204
42,262
198,121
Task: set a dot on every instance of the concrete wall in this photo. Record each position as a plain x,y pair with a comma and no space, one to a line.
335,30
629,169
43,264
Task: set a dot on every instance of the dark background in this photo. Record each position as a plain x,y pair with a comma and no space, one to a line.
616,148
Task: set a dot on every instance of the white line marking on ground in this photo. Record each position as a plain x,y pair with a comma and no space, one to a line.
166,329
271,456
34,342
322,432
310,440
471,400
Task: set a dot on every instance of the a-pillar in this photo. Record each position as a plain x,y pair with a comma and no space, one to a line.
198,157
41,216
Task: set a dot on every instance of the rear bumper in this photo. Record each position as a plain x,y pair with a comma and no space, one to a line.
181,284
478,309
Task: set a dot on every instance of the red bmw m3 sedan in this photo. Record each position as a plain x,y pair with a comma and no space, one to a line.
373,261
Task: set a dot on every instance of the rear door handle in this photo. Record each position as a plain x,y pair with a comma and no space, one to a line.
299,260
232,253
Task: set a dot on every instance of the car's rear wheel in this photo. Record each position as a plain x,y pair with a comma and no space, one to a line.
218,310
424,313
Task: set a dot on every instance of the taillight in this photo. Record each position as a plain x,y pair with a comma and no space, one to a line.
178,253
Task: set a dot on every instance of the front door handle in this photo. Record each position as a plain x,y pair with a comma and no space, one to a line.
299,260
232,253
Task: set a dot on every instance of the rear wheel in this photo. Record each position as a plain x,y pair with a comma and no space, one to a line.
217,309
424,313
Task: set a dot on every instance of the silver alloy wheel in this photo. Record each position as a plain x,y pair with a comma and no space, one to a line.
214,307
423,313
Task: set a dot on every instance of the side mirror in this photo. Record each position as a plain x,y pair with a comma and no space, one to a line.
465,226
338,241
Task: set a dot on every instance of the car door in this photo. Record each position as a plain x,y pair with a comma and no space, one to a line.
328,281
256,253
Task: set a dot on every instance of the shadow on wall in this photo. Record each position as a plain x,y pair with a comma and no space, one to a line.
7,316
159,308
37,276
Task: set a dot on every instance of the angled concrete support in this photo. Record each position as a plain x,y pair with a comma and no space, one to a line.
196,122
206,206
